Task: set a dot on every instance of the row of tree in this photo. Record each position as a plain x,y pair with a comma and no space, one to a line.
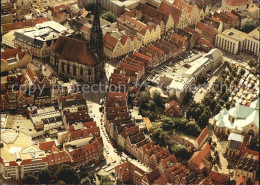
217,97
64,175
151,107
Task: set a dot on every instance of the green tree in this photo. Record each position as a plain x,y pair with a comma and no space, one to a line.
44,177
157,99
187,98
180,151
203,120
90,7
67,174
151,115
105,179
109,16
167,123
29,179
192,128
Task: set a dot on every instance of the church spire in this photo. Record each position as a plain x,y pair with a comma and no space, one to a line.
96,36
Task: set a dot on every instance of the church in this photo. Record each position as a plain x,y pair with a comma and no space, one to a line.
79,60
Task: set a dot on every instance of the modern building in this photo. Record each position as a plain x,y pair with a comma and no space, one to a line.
234,41
19,155
39,39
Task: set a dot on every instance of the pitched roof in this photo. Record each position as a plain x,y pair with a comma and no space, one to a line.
241,111
182,4
170,10
152,176
236,2
198,158
202,135
74,50
110,41
57,158
240,180
152,12
219,177
46,146
161,180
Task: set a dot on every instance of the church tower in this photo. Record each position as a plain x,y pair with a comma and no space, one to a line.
96,44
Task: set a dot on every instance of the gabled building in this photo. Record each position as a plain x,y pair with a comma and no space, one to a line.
202,138
128,172
117,45
234,5
200,160
247,167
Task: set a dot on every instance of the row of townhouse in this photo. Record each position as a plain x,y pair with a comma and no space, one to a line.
117,44
128,136
146,33
31,87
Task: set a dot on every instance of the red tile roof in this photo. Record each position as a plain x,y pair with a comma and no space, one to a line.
153,13
182,4
167,8
236,2
74,50
110,41
124,39
199,159
57,158
168,161
19,25
246,151
71,97
33,161
161,180
162,154
202,135
173,107
240,180
10,53
46,146
130,131
152,176
219,178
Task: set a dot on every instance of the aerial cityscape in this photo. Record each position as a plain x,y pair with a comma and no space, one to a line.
138,92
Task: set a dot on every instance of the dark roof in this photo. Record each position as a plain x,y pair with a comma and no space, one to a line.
236,145
74,50
28,40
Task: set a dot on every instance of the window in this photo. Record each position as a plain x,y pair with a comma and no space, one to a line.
68,69
62,67
89,72
81,71
74,70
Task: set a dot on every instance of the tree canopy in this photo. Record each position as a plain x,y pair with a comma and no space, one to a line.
44,177
29,179
109,16
67,174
